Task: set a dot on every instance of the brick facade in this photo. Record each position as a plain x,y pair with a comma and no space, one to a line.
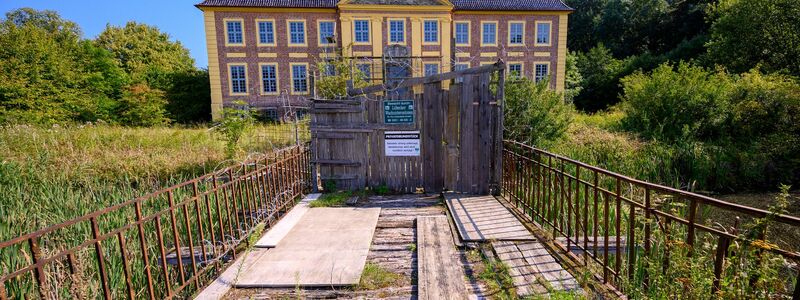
446,53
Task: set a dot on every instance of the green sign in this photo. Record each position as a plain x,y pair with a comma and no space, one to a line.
398,112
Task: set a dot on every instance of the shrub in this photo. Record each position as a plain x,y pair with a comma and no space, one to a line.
236,121
673,105
142,106
332,86
535,114
726,132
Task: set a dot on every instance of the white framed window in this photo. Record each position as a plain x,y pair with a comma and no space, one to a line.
515,69
459,67
297,32
431,31
431,69
299,78
238,79
327,32
543,33
462,33
361,31
269,79
489,34
397,31
234,31
516,33
542,71
266,32
328,69
366,71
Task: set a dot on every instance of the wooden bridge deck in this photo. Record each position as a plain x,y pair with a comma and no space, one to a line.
400,238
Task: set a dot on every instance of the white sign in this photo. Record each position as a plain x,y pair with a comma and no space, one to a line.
401,143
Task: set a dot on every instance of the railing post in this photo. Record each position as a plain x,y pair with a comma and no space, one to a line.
647,229
722,248
101,264
41,279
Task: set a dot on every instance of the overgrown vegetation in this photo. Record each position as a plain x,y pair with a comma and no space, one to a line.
132,75
52,174
376,277
335,73
332,199
535,114
236,122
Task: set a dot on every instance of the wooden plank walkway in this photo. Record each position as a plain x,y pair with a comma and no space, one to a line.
532,258
277,232
483,218
327,247
440,275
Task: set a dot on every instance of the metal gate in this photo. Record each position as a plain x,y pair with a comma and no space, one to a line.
437,140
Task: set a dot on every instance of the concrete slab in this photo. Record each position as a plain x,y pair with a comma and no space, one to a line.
277,232
483,218
326,247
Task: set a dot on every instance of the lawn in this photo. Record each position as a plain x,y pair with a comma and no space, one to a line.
50,175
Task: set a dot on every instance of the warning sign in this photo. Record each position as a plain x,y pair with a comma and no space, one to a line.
401,143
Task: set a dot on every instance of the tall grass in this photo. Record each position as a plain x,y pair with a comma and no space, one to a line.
50,175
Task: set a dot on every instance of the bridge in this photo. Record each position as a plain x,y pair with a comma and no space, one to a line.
468,201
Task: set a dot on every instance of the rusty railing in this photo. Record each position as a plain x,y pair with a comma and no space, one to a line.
626,229
163,245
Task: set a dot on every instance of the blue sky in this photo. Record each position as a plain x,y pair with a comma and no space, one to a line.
179,18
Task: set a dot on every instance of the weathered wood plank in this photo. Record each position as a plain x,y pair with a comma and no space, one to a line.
523,275
548,267
483,218
340,162
439,270
410,82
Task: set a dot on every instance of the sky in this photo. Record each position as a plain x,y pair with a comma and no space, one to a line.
178,18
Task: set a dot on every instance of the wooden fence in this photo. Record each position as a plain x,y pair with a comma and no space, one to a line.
162,245
458,132
627,229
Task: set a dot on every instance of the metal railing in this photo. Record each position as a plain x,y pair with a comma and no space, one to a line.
624,229
162,245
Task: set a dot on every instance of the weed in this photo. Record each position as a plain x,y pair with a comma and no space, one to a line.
331,199
376,277
412,247
381,190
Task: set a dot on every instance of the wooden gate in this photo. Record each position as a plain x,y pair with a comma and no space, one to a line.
355,144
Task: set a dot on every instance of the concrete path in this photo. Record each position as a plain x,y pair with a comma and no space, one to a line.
326,247
483,218
277,232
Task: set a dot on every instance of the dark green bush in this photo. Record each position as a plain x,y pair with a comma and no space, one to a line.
728,132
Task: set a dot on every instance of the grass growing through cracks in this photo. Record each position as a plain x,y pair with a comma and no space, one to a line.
331,199
376,277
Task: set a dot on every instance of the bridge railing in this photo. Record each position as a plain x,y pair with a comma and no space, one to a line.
639,237
162,245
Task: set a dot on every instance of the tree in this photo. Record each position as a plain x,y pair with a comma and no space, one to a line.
601,73
189,97
145,53
534,113
48,74
749,33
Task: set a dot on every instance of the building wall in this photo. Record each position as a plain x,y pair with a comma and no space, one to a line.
529,54
221,55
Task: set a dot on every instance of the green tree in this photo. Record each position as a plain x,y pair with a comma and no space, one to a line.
145,52
48,74
600,84
749,33
534,113
686,103
334,84
189,97
573,78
